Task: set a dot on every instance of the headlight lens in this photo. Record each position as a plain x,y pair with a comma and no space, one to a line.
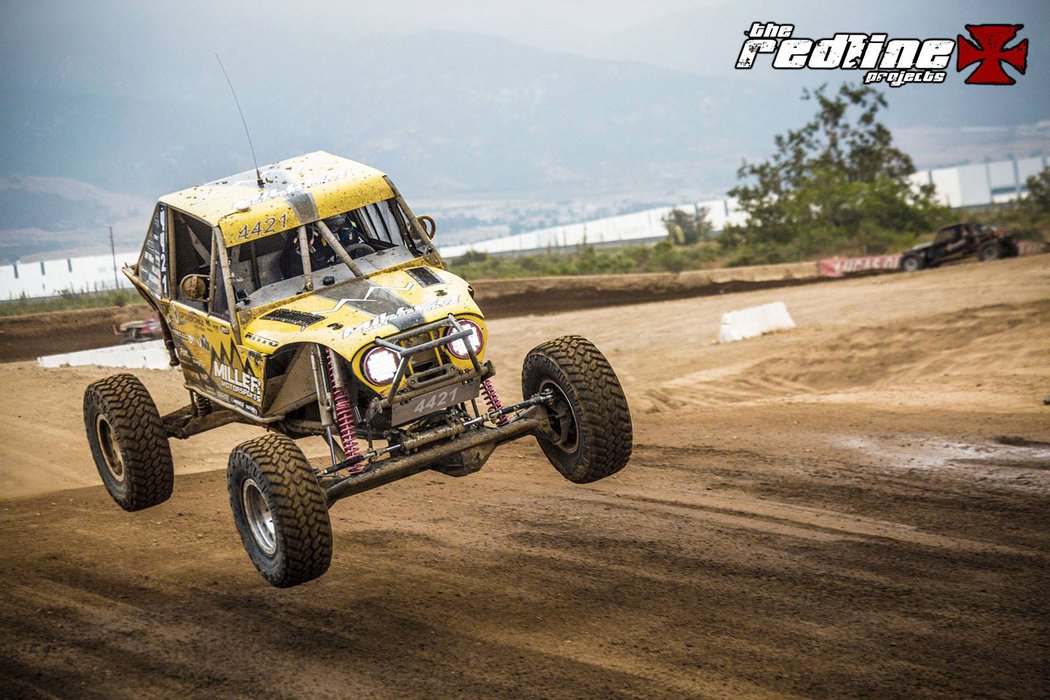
459,347
379,366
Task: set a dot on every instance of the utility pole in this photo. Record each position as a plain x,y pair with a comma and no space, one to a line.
113,252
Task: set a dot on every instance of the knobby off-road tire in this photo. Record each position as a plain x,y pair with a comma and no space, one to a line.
590,413
128,442
990,251
280,510
912,263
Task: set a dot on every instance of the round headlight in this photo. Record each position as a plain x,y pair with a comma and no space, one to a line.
459,347
379,366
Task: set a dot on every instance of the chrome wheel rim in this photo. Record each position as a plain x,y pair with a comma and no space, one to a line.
259,517
111,454
562,418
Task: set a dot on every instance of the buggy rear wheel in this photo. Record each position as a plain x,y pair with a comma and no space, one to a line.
280,510
128,441
589,417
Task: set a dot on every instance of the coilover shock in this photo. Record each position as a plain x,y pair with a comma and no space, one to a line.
342,408
493,401
201,404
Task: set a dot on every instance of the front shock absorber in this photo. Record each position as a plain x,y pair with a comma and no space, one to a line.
492,399
342,408
201,404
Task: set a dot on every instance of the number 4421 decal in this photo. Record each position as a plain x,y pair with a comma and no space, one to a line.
270,224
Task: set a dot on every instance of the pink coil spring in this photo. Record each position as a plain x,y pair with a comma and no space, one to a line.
492,399
344,412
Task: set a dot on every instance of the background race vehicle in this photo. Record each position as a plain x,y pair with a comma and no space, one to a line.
960,241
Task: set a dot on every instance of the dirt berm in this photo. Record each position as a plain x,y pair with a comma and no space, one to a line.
30,336
543,295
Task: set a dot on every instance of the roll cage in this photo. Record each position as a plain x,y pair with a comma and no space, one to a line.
282,264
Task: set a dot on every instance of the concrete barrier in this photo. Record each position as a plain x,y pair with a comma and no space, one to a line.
150,355
754,321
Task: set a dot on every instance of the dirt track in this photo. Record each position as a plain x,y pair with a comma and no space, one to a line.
856,507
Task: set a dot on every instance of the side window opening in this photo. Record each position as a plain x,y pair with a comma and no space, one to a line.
192,255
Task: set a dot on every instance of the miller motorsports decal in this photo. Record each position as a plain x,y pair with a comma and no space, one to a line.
897,61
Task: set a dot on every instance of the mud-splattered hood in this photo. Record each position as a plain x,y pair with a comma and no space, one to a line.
349,315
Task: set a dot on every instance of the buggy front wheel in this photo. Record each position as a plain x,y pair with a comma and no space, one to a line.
591,433
280,510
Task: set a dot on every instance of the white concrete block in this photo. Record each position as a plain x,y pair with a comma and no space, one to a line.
149,355
754,321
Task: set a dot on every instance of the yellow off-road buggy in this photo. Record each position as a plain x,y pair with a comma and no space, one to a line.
309,300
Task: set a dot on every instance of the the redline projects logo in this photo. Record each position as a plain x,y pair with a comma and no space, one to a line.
895,62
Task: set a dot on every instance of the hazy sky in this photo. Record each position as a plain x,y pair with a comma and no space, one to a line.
140,50
519,18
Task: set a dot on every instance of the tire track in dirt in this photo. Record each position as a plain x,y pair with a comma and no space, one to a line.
870,357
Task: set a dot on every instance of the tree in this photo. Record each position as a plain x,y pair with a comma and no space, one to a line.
684,228
835,185
1029,216
1037,201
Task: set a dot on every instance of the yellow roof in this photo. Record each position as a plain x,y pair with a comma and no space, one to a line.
297,191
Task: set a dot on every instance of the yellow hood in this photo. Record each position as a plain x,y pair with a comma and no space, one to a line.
351,315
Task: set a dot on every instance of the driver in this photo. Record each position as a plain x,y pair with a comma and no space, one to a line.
349,235
321,255
341,228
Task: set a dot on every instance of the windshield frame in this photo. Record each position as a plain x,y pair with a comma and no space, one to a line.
252,290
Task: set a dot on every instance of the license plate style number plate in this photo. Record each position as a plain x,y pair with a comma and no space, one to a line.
436,400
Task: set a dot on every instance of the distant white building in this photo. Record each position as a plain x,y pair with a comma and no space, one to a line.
639,227
983,183
958,187
91,273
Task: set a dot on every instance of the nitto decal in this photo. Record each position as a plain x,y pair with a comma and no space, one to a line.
261,340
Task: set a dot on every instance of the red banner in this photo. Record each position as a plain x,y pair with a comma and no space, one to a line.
837,267
1030,247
